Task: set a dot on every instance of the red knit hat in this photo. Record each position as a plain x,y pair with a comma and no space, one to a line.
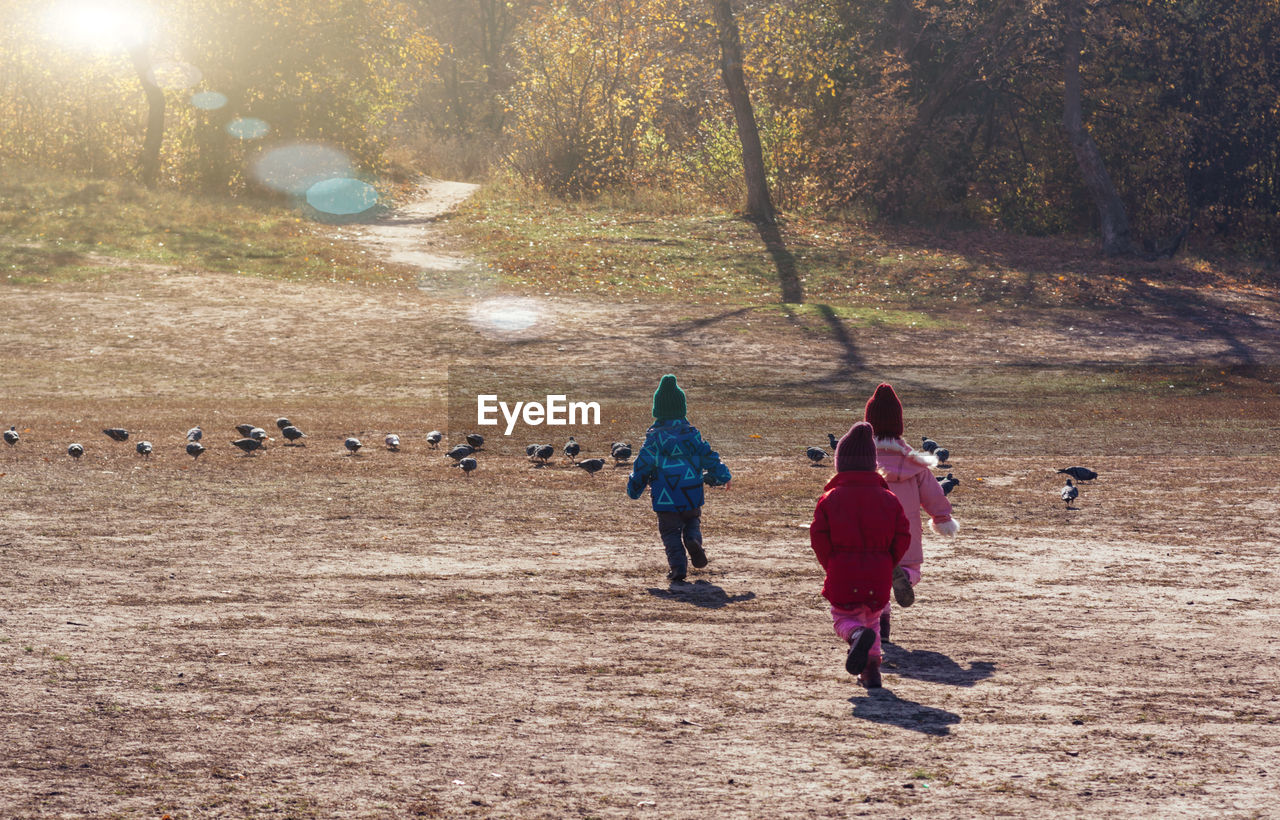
884,412
856,451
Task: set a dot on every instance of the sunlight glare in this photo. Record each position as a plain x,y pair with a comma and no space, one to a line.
99,25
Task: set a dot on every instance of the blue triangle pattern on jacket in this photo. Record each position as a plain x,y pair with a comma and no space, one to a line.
675,463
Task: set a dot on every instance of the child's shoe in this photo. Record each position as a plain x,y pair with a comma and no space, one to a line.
697,556
902,591
870,677
859,646
884,627
675,575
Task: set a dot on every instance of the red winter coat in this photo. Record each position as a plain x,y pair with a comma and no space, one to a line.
859,533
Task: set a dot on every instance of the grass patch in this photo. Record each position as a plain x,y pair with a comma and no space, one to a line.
60,229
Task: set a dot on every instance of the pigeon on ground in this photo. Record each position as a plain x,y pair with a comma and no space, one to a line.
248,445
572,448
353,445
475,440
592,465
531,449
621,451
1080,473
927,444
943,454
194,449
816,455
259,434
245,429
1069,493
75,450
195,434
393,442
117,433
434,438
11,436
467,464
282,423
144,448
835,442
544,452
948,484
460,452
292,434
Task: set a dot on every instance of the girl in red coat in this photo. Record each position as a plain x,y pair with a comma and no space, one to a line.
859,533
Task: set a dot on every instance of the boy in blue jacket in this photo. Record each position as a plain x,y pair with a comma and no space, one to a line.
674,463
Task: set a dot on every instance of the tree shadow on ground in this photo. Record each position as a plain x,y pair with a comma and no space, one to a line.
882,706
784,260
934,667
700,593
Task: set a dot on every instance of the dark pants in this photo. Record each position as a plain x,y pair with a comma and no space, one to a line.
680,531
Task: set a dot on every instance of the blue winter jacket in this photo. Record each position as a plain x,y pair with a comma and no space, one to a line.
674,463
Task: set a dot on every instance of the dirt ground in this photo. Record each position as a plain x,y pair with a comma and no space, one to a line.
306,633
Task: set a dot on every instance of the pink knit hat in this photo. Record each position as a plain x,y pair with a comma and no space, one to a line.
884,412
856,451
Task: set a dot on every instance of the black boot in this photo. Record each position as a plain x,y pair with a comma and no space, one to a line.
884,627
859,646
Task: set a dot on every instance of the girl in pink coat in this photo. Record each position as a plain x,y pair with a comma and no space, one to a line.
910,477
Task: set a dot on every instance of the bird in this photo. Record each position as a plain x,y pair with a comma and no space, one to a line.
572,448
195,434
194,449
948,484
1080,473
544,452
475,440
245,429
460,452
282,423
1069,493
117,433
816,455
393,442
621,451
927,444
248,445
11,436
943,454
352,444
75,450
259,434
144,448
434,437
467,464
592,465
835,442
292,434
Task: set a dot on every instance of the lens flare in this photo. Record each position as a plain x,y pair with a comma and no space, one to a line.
248,128
99,25
209,100
509,318
294,168
342,196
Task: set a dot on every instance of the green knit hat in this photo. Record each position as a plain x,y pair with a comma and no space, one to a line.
668,400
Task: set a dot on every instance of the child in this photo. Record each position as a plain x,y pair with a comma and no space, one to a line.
910,477
675,462
859,533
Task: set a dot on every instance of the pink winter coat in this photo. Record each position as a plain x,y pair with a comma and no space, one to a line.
910,477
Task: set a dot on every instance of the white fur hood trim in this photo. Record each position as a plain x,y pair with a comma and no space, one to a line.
897,445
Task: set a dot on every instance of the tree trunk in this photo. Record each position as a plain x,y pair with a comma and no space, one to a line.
150,161
1116,239
759,205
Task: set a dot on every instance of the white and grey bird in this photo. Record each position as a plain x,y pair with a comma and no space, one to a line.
117,433
927,444
282,423
195,434
475,440
75,450
591,465
247,445
572,448
1080,473
467,464
543,452
1069,493
621,451
143,448
460,452
259,434
352,444
816,455
194,449
11,436
245,429
393,442
943,454
948,484
292,434
434,438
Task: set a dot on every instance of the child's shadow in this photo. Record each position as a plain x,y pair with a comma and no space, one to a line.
700,593
882,706
935,667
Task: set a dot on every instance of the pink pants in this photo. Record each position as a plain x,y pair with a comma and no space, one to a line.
846,621
913,573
